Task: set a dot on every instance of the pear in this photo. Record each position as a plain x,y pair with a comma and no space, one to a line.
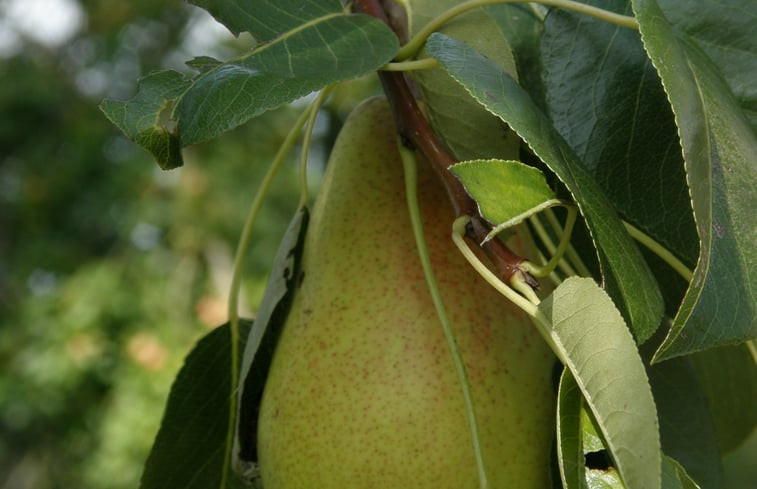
362,391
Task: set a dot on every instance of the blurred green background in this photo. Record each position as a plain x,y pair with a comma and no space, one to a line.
111,269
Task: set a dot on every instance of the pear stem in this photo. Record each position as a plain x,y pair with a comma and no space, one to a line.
236,282
410,168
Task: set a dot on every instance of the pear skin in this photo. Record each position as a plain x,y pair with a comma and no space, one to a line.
362,391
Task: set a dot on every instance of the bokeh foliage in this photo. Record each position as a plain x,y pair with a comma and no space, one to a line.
111,269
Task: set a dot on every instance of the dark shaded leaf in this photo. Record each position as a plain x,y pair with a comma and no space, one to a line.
189,449
570,453
686,429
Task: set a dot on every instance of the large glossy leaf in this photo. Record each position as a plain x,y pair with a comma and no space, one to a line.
267,19
615,115
626,275
468,130
506,192
724,29
189,449
145,118
590,337
263,336
719,145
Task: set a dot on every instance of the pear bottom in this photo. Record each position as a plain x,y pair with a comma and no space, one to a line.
362,392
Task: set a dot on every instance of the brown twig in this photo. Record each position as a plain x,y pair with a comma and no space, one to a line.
417,134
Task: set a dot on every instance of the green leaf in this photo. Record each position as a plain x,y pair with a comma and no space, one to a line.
724,29
616,117
266,19
332,49
265,332
626,275
590,337
189,449
570,453
719,145
728,378
522,25
506,191
143,118
675,477
466,128
592,441
686,427
604,479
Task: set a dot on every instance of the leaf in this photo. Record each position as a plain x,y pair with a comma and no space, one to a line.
522,25
615,115
686,427
718,144
189,449
263,336
728,378
675,477
626,275
333,49
603,479
266,19
506,191
570,453
590,337
224,95
142,118
724,29
467,129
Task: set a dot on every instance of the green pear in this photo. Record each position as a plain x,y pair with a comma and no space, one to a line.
362,391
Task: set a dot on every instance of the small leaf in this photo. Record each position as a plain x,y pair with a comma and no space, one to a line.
263,336
591,339
570,453
626,274
507,192
142,119
719,145
189,449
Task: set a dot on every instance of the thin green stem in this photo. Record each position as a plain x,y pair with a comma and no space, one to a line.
409,166
543,271
541,321
416,64
546,240
458,231
571,252
312,111
418,40
659,250
236,281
